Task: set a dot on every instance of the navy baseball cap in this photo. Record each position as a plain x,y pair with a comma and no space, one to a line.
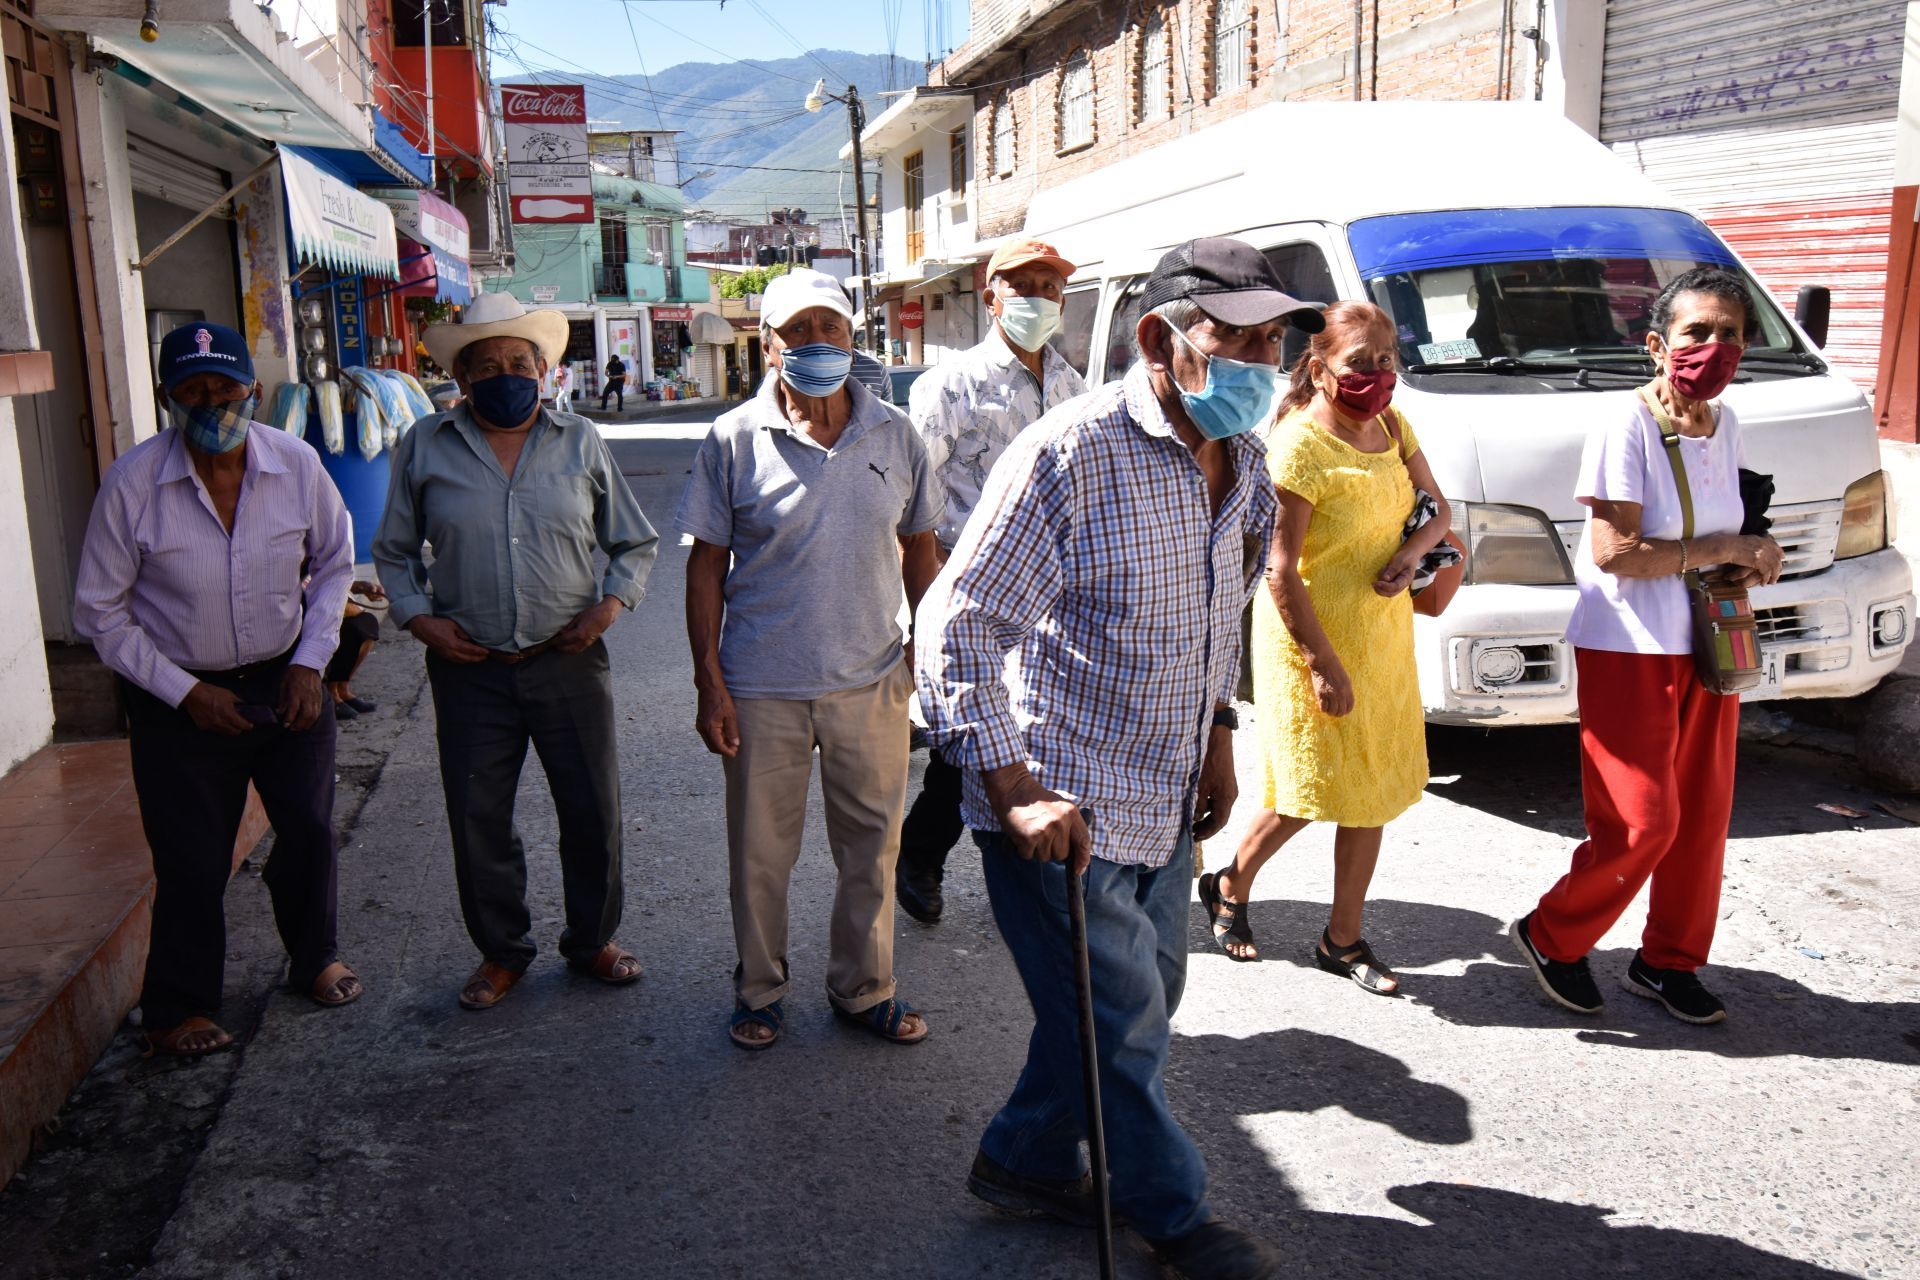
202,347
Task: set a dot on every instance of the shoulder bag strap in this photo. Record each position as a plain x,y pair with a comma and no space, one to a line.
1670,439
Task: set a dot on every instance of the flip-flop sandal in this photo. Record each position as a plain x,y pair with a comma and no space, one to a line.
1237,927
772,1017
326,988
885,1020
168,1043
1366,969
487,985
605,965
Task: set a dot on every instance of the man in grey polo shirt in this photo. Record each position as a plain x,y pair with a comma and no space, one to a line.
810,507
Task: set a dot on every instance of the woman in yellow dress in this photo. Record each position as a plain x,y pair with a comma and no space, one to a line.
1335,691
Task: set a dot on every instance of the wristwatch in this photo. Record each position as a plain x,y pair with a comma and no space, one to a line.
1226,718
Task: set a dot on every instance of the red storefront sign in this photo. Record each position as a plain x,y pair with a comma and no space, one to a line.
913,315
549,175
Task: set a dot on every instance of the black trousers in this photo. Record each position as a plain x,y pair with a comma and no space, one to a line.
486,713
617,388
933,825
356,633
192,787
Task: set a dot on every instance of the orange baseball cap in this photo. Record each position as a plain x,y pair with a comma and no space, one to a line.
1018,253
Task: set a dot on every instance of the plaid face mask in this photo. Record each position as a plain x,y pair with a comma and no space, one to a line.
218,428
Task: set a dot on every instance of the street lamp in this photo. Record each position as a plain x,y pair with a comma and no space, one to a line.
863,258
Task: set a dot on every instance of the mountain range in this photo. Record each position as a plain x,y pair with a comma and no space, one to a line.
749,144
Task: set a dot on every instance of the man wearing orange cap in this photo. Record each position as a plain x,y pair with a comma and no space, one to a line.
968,409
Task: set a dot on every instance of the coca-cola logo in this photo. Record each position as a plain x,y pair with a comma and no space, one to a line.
565,104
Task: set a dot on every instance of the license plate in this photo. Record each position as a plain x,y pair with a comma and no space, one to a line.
1773,665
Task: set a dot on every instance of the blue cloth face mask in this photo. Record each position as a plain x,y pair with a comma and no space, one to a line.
505,400
1237,398
216,428
1029,322
816,369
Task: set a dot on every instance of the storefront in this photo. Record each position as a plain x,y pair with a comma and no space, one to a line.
712,351
433,245
673,375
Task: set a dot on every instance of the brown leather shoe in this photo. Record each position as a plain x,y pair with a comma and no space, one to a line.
487,985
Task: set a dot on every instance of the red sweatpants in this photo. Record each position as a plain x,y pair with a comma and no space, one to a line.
1656,767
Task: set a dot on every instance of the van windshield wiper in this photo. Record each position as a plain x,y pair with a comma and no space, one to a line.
1799,359
1514,364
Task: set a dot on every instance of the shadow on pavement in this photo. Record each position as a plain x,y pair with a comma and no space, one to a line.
1406,935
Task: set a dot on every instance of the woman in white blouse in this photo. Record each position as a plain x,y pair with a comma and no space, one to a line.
1656,749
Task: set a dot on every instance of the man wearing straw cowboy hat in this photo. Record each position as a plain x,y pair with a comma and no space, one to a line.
515,499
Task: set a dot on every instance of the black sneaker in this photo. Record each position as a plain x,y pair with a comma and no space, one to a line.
1218,1252
1070,1202
1569,985
920,897
1678,989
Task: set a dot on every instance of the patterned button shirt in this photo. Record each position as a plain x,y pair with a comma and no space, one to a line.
1089,620
968,409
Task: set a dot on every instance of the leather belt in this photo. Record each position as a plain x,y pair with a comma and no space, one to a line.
521,655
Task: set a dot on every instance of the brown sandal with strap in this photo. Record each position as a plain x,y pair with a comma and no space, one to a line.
336,985
606,965
487,985
171,1043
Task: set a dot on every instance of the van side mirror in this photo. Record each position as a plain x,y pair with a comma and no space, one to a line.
1812,310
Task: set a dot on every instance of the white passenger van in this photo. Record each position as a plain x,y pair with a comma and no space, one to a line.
1519,258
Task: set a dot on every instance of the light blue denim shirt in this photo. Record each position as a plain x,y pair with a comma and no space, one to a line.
512,558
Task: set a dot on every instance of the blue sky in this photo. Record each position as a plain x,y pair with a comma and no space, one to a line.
595,34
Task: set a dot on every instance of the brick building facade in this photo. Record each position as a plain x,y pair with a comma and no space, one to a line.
1062,87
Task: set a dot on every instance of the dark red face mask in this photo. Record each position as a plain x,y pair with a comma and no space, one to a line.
1366,395
1704,370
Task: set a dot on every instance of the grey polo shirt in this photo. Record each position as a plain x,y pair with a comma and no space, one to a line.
815,588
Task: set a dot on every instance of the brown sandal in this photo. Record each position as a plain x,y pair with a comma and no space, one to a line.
171,1042
605,965
487,985
331,989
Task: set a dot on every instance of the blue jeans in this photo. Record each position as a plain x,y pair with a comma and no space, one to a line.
1136,943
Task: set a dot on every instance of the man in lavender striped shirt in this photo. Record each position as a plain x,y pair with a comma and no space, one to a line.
212,579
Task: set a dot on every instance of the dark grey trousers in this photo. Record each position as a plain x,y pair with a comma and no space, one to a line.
486,713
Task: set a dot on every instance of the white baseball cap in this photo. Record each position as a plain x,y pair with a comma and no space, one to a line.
788,295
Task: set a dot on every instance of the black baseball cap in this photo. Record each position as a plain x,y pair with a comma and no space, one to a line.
1230,280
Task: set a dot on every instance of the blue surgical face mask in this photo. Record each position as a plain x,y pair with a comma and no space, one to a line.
1237,398
216,428
505,400
1029,322
816,369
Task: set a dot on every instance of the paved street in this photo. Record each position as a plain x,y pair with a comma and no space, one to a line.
1468,1130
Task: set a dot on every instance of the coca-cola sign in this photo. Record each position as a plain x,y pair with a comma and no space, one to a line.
543,104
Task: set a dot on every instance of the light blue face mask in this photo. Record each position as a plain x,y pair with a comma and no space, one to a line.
1237,398
1029,322
816,369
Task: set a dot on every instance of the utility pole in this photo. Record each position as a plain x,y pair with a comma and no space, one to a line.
864,257
426,23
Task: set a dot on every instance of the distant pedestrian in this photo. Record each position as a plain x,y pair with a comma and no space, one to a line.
1343,736
616,384
811,508
968,409
1111,554
1657,749
190,588
563,387
516,501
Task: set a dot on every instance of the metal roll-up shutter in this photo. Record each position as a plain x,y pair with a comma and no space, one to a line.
167,175
1776,122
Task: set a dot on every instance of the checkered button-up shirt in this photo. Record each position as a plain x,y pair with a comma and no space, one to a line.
1089,620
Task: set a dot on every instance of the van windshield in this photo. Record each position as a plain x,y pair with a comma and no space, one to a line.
1550,293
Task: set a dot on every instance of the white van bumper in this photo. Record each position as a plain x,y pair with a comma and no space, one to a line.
1499,656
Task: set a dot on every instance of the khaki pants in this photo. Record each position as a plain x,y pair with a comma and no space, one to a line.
862,738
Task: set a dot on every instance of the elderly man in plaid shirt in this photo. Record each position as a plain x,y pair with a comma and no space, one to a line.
1085,640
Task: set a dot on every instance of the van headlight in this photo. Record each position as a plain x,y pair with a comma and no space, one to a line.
1864,523
1514,546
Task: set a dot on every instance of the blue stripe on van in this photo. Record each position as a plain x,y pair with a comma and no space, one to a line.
1405,242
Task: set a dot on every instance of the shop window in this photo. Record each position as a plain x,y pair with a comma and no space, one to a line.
1076,103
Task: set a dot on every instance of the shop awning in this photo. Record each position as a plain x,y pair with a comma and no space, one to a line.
433,245
708,327
334,225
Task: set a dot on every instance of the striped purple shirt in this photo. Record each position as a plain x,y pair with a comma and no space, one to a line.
1089,620
164,589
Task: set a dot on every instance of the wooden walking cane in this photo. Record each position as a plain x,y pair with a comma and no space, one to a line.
1090,1063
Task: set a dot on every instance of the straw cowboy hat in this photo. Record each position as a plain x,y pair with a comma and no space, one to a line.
497,315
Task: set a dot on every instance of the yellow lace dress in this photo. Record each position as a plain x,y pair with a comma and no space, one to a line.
1366,768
